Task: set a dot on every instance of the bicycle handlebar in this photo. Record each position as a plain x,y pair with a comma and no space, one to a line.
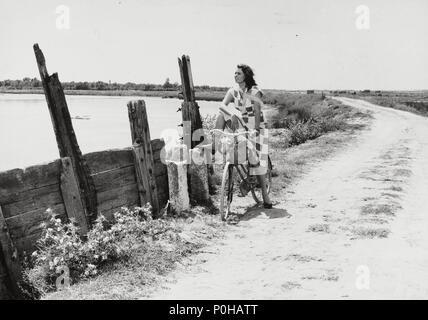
232,134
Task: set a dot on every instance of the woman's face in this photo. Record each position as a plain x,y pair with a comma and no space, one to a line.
239,75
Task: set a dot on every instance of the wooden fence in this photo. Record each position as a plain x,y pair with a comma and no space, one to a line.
84,186
75,185
25,194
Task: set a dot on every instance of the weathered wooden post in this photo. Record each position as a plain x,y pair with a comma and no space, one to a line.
70,193
143,154
197,173
68,146
9,257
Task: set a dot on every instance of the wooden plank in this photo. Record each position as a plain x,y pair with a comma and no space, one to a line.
113,179
157,156
5,293
122,196
28,223
185,80
157,145
27,245
143,180
11,258
190,77
31,200
106,160
184,90
189,108
64,132
162,184
109,159
163,190
12,182
190,113
159,169
71,195
4,288
143,154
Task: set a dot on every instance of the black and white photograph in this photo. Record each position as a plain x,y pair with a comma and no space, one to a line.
213,150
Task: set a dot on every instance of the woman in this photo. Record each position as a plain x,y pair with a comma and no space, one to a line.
247,99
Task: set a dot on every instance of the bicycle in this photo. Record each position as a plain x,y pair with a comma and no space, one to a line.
248,182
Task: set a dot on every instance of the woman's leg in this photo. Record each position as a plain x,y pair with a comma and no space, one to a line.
262,181
220,122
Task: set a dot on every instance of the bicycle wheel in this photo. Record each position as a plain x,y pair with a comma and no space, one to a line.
256,190
226,194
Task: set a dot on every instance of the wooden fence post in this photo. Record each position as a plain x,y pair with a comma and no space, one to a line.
65,136
143,154
197,173
71,196
189,108
11,259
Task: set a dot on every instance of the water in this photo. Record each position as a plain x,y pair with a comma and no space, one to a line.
27,137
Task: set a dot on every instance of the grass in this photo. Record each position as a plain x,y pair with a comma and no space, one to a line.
376,209
308,117
319,227
302,258
370,232
149,262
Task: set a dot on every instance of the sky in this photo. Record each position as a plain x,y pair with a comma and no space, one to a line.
290,44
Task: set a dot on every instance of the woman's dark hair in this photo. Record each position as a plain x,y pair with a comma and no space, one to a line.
248,76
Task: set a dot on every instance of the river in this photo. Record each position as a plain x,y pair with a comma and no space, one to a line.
100,122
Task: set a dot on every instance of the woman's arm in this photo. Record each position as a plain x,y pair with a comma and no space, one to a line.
228,98
257,111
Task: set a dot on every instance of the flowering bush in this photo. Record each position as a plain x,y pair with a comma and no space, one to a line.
61,246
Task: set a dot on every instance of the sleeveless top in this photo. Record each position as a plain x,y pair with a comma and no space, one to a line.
244,102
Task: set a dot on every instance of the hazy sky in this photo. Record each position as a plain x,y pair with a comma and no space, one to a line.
290,44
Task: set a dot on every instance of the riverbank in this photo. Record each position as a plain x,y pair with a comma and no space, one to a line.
200,95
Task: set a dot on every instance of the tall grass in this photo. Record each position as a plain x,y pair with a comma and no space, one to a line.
306,117
132,235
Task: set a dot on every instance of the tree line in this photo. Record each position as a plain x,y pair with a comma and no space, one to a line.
28,83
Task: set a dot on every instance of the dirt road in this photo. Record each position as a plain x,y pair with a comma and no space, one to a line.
354,227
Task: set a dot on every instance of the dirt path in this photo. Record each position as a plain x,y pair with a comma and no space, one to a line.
355,226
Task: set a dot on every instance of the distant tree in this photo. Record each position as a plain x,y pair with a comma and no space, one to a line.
99,85
35,83
167,84
82,86
150,87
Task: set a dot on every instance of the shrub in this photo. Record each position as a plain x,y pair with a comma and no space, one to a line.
208,122
300,131
61,246
303,131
